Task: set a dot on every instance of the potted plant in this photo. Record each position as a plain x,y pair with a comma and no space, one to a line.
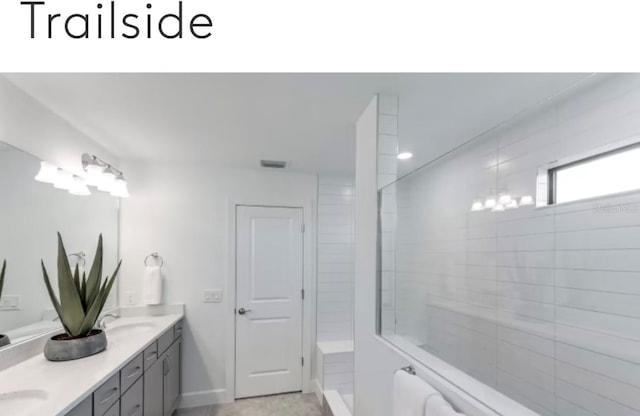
4,339
81,301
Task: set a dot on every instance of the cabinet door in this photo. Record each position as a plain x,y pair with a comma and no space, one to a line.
153,389
172,379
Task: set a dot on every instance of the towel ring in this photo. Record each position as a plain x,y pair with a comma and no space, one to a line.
156,256
409,369
80,258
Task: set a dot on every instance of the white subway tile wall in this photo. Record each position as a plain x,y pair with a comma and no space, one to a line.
542,304
335,258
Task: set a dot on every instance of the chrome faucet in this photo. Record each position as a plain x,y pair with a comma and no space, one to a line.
101,322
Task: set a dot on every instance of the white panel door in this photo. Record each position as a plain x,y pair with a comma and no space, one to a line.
269,267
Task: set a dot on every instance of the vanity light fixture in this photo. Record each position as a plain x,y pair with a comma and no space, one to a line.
79,187
526,200
47,173
405,155
477,206
104,176
503,202
119,187
64,180
504,199
490,203
511,204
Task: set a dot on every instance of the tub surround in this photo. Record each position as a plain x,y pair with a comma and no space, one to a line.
63,385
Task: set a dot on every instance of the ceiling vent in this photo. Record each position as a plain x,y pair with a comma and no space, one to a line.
273,164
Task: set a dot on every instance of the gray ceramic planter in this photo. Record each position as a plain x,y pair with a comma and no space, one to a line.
58,348
4,340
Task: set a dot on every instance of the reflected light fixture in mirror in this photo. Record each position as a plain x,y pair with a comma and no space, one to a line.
477,206
526,200
79,187
64,180
47,173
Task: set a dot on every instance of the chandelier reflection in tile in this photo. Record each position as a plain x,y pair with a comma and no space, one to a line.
502,202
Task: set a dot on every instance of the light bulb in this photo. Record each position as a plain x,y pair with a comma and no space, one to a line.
512,204
504,199
107,180
490,202
64,180
526,200
94,174
405,155
119,187
78,187
477,206
498,208
47,173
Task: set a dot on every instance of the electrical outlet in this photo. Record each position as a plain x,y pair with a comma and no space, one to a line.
212,296
10,303
130,298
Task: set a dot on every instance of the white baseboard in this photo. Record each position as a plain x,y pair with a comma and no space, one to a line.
202,398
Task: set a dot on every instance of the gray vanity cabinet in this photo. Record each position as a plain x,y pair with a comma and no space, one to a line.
83,409
153,389
149,385
172,379
162,379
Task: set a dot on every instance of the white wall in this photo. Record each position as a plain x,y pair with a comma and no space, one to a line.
335,258
182,212
27,124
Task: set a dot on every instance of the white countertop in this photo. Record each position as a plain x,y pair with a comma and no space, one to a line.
60,386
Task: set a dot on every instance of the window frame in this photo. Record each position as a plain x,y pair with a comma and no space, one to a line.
547,176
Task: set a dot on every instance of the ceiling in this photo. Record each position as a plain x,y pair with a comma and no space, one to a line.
305,119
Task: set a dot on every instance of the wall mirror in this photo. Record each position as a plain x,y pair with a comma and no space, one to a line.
31,213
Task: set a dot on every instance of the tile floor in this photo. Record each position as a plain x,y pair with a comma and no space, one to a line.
294,404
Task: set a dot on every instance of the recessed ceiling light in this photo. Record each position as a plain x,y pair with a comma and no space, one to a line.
405,155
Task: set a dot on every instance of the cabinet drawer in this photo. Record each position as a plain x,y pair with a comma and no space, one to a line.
114,410
106,395
85,408
130,373
150,355
165,341
131,401
177,330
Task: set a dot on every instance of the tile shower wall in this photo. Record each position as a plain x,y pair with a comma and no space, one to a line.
335,258
542,304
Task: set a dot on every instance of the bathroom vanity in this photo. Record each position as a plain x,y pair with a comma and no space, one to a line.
138,375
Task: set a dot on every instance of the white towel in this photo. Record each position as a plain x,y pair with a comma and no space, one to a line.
410,394
438,406
152,292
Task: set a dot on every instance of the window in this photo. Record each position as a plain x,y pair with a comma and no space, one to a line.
606,173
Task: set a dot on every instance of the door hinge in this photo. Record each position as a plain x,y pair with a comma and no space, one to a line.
302,291
302,360
303,228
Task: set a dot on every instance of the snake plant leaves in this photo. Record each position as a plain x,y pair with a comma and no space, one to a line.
4,269
81,299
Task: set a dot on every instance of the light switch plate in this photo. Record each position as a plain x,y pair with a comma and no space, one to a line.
130,298
10,303
212,296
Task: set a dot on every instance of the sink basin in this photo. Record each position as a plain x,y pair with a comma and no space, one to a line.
22,402
129,328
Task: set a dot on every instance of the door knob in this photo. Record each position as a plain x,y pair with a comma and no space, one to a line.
242,311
